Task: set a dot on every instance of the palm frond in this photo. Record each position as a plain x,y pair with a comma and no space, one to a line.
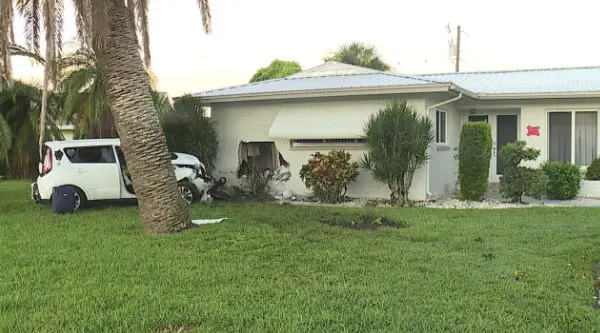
18,50
142,7
83,21
31,10
99,19
358,54
204,7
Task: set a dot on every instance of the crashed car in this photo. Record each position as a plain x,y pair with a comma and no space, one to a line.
97,170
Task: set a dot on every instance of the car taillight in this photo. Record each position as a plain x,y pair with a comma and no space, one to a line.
47,167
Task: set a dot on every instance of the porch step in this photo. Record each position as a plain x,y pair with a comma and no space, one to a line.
494,187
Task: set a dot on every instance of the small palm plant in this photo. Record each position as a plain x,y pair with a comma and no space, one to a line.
397,139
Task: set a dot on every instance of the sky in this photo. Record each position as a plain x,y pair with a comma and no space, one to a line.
410,35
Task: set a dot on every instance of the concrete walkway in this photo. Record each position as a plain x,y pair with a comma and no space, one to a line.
579,202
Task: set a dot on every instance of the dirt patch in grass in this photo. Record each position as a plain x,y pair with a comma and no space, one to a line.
362,221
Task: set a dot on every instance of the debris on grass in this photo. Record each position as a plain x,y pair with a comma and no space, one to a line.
362,221
208,221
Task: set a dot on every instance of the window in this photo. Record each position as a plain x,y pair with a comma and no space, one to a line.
573,136
440,126
95,154
312,142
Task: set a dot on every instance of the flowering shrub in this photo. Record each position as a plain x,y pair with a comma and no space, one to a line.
328,175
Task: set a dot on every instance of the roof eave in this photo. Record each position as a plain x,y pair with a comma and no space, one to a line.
464,91
422,88
561,95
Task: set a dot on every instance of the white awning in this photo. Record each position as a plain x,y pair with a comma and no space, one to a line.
307,121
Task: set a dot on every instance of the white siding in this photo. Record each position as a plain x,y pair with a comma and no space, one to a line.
250,121
443,168
534,113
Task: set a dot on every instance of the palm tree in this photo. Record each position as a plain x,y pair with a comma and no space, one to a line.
108,27
20,106
359,54
397,140
85,103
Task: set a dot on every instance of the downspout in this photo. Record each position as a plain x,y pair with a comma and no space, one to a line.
428,192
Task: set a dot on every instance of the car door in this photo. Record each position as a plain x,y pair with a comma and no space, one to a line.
95,171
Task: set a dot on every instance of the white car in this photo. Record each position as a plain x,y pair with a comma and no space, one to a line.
96,170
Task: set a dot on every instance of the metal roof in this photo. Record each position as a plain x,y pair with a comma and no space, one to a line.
319,83
333,75
532,81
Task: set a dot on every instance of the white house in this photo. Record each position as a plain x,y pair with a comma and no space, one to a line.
286,120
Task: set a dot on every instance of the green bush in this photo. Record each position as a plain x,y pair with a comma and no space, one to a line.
474,155
519,180
593,170
564,180
188,130
328,175
397,139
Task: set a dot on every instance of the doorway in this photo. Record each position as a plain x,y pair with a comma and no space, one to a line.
505,129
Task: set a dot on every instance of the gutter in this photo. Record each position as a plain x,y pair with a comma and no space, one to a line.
460,95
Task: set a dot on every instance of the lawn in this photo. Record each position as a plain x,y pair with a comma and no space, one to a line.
276,268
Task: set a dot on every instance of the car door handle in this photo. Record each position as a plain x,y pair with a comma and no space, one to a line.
80,170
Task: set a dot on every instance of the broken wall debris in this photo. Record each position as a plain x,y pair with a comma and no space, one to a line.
262,169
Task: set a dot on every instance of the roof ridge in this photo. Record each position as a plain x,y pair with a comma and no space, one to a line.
406,76
541,69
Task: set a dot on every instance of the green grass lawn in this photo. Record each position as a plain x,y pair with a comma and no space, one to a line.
273,268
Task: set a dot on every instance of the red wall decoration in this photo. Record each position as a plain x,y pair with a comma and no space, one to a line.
533,130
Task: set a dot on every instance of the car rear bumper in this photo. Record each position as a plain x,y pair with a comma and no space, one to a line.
35,193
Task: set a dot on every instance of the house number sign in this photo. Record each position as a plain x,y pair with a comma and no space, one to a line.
533,130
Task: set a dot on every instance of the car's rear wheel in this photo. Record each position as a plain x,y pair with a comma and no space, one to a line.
189,192
80,198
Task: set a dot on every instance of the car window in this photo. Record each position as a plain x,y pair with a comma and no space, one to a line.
120,155
96,154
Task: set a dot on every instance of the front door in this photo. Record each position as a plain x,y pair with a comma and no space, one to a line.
504,130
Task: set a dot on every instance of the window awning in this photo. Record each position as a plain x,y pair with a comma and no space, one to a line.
314,122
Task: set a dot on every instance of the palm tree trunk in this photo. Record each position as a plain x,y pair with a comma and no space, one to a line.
44,108
142,140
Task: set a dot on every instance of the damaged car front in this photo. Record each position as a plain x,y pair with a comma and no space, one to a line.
193,180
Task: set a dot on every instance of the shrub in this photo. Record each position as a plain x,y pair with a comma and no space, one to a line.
255,184
474,155
593,170
518,180
188,130
328,175
564,180
397,139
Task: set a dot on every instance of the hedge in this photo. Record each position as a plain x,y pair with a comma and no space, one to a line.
474,155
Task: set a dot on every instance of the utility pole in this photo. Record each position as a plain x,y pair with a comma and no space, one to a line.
457,63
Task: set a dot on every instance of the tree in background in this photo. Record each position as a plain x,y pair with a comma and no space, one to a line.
397,139
276,70
85,103
187,128
359,54
20,106
109,28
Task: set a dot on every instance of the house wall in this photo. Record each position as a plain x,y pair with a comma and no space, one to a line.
443,168
250,122
534,113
